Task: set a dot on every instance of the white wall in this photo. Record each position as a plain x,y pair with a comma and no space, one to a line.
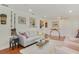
69,27
5,29
21,27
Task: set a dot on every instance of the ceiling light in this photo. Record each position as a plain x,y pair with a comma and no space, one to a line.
30,10
44,16
70,11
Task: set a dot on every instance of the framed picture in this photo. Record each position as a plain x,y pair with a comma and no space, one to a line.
3,18
41,23
21,20
55,24
32,21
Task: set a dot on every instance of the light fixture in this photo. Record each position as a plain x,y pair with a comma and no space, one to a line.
44,16
70,11
30,10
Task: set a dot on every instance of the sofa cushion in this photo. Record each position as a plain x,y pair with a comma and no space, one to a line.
31,33
33,38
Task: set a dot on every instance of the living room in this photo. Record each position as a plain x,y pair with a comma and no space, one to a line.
55,22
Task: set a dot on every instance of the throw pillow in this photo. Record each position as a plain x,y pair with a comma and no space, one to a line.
24,34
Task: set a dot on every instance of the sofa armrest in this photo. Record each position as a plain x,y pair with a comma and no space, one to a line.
22,39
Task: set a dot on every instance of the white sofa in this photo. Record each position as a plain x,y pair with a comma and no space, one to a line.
33,37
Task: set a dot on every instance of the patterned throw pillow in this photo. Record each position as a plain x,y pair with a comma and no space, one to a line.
24,34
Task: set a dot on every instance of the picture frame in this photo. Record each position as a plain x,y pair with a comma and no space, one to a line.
32,21
21,20
41,23
3,18
55,25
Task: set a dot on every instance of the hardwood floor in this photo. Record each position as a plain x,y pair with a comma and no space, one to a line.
10,51
14,51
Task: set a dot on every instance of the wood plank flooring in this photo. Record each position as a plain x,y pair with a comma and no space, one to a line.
10,51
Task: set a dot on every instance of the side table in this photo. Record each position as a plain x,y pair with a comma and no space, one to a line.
14,42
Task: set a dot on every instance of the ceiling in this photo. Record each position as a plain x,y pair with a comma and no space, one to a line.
48,10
